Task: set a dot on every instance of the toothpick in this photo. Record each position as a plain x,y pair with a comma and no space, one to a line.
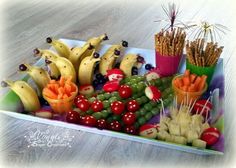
204,106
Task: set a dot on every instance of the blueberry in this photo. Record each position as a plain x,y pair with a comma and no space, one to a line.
49,40
117,65
124,43
134,71
102,81
99,76
4,84
105,37
95,82
36,51
148,67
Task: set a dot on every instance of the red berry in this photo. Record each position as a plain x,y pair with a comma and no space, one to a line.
115,126
101,124
117,107
132,105
73,117
129,118
97,106
130,129
78,98
89,121
125,91
83,105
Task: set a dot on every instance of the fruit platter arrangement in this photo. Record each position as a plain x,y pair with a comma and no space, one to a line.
160,97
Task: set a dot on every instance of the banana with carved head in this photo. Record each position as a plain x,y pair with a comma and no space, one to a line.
109,58
86,69
25,92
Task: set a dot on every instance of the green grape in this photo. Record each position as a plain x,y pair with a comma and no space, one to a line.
107,95
97,115
135,96
164,81
142,111
109,119
112,99
134,88
141,86
144,99
139,100
115,94
148,107
161,88
92,99
155,111
100,91
129,83
153,104
105,114
142,121
133,81
140,78
122,82
152,82
101,97
138,114
90,111
106,104
126,80
136,125
148,116
116,117
158,82
109,110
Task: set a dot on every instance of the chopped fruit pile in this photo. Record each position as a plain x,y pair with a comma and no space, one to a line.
61,89
190,82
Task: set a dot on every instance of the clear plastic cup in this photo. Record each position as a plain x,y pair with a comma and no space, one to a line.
185,97
62,106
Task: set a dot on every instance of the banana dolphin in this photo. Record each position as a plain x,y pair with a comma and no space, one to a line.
109,58
128,62
25,92
65,67
61,48
53,70
38,74
86,69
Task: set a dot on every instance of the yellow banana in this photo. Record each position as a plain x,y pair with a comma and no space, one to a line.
95,42
65,67
128,62
86,69
109,58
79,53
61,48
53,70
38,74
25,92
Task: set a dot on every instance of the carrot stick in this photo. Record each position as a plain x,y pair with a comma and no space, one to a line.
187,72
186,81
197,81
202,83
192,88
193,77
62,81
184,88
47,92
180,82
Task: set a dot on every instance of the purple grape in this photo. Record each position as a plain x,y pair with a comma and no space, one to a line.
22,67
96,55
117,52
148,66
140,59
134,71
95,82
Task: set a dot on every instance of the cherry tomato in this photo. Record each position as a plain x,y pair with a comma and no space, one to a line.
117,107
125,91
89,121
130,129
132,105
78,98
73,117
83,104
115,126
101,124
97,106
210,135
129,118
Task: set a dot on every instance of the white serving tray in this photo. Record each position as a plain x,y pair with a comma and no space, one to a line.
149,56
